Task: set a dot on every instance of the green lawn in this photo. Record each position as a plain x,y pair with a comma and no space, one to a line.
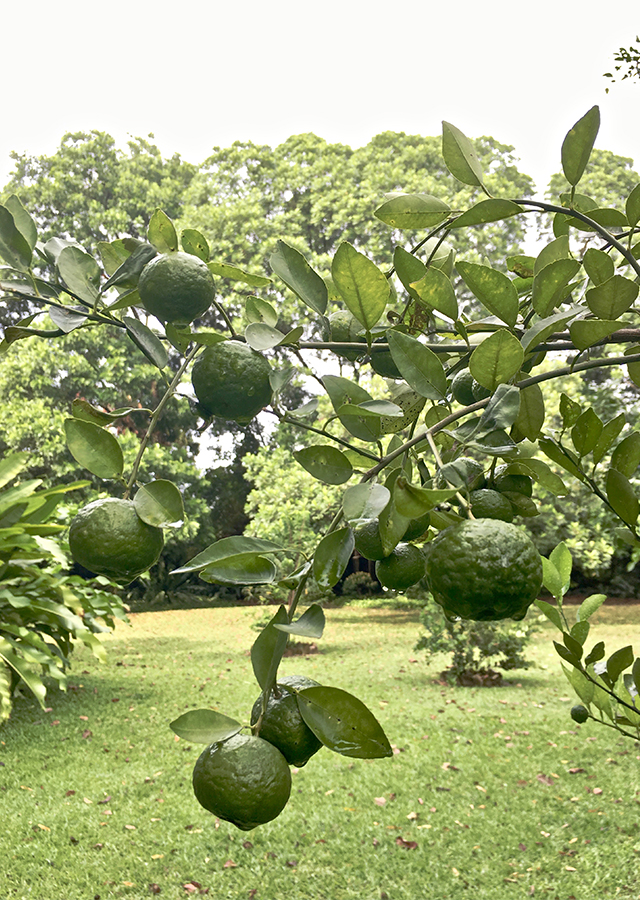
477,801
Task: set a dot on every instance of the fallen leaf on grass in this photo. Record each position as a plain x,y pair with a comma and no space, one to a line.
406,845
544,779
155,888
87,733
380,801
230,864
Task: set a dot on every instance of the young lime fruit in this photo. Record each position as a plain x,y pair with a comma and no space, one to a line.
462,387
244,780
488,504
483,569
344,329
513,482
579,713
282,725
176,287
108,537
231,381
404,566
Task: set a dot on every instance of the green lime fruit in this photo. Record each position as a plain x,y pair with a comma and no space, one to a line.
470,472
484,569
176,287
411,404
244,780
479,392
579,713
462,387
345,329
488,504
382,363
231,381
368,542
283,726
417,527
108,537
404,566
513,482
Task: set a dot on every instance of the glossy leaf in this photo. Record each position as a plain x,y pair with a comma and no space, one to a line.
436,291
586,432
80,273
195,243
612,298
545,476
560,556
11,466
590,605
632,206
566,654
608,436
14,247
587,332
67,320
268,649
411,211
248,568
326,463
551,612
531,413
578,144
580,683
292,268
491,210
580,631
22,220
204,726
418,365
234,273
551,252
332,556
570,411
258,310
310,624
364,502
545,327
363,287
635,672
621,496
551,285
597,652
493,289
626,457
551,578
159,503
619,661
408,269
161,232
496,359
261,336
123,267
343,723
598,265
147,341
501,411
460,157
413,501
238,545
94,448
573,646
563,457
82,409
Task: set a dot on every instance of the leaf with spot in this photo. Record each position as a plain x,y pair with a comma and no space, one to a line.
292,268
497,359
460,156
343,723
204,726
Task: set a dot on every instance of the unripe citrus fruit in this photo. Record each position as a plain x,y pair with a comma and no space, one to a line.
108,537
367,540
579,714
231,380
479,392
282,724
382,363
176,287
462,387
244,780
403,567
488,504
344,329
484,569
417,527
513,482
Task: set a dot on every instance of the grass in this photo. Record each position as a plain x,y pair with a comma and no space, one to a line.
477,801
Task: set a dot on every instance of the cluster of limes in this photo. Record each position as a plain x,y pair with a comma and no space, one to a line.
246,779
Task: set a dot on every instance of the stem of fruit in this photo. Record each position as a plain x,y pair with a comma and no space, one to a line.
634,737
168,394
362,452
463,500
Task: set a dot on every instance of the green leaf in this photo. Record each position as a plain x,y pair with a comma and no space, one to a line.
496,359
573,646
233,273
494,290
635,672
553,251
566,654
460,157
23,670
159,503
551,612
547,326
147,341
563,457
612,298
501,411
551,285
342,391
580,683
332,556
292,268
261,336
248,568
82,409
580,631
22,220
418,365
412,501
343,723
363,502
310,624
225,548
127,274
586,432
67,320
80,273
608,436
578,144
551,578
195,243
590,605
411,211
161,233
586,333
569,410
544,475
204,726
632,206
363,287
621,496
14,247
11,466
598,265
326,463
531,414
408,269
619,661
491,210
258,310
436,291
626,457
94,448
596,653
268,649
560,556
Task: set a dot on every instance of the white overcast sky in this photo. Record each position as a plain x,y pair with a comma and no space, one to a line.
208,73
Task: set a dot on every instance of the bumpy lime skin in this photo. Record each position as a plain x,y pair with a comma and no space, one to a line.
231,381
176,287
403,568
484,569
282,724
244,780
579,714
490,504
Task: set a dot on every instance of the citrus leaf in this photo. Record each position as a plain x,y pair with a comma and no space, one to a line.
363,287
626,457
459,156
82,409
632,206
491,210
573,646
590,605
326,463
292,268
159,503
608,436
597,652
341,391
501,411
550,612
618,662
436,291
551,578
612,298
127,271
332,557
22,668
560,556
494,290
551,285
563,457
234,273
147,341
580,683
23,221
67,320
412,501
408,269
94,448
545,327
204,726
586,333
195,243
621,496
410,211
531,414
496,359
566,654
374,409
80,273
586,432
363,502
343,723
418,365
11,465
14,247
268,649
261,336
161,232
225,548
258,310
598,265
310,624
245,568
578,144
